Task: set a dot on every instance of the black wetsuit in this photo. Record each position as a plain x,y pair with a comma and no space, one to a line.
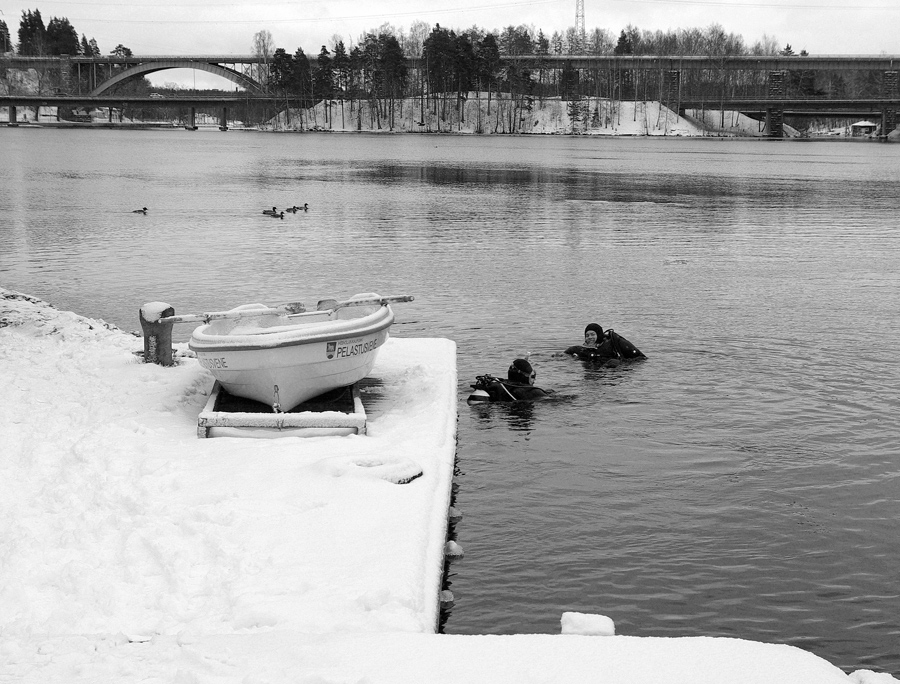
504,390
614,346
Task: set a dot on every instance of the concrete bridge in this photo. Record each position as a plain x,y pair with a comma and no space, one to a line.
243,80
242,70
672,73
249,71
219,103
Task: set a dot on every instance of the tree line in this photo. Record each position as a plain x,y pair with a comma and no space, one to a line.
455,65
58,37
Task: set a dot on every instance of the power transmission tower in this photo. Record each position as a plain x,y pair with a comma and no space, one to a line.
579,24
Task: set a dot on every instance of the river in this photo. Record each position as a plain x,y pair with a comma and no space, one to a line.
743,481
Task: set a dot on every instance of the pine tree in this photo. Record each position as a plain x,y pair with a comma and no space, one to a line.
438,52
5,42
392,65
324,79
465,69
281,71
62,38
32,34
341,63
624,46
302,84
575,112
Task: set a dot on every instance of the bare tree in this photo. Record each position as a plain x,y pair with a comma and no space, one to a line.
600,42
263,49
418,32
767,45
335,39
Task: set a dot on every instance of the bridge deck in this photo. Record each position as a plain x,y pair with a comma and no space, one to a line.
637,62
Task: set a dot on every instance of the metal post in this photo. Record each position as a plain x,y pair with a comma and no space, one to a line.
157,336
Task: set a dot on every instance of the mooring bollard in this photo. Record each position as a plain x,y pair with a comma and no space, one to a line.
157,335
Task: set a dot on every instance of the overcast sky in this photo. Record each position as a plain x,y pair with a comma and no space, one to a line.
178,27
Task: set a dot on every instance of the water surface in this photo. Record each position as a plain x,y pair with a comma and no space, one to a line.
743,481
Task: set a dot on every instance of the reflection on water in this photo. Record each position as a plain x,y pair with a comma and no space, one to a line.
740,482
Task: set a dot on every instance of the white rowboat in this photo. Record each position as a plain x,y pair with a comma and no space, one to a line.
283,359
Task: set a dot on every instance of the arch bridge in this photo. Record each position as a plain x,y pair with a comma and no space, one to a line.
103,73
243,80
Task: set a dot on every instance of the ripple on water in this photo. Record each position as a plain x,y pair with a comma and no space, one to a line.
741,482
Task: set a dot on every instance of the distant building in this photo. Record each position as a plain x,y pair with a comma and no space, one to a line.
862,128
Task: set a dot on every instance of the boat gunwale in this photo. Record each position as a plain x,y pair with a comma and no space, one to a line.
202,342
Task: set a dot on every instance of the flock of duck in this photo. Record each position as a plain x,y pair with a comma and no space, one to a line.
273,212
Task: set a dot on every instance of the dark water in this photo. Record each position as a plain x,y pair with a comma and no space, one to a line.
743,481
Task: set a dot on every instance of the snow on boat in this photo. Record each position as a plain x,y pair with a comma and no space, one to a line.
283,359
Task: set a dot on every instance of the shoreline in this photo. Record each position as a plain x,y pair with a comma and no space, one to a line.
480,116
76,125
141,126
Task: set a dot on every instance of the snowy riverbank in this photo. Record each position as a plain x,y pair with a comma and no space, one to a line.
131,551
477,114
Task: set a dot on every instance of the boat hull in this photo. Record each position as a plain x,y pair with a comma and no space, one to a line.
291,359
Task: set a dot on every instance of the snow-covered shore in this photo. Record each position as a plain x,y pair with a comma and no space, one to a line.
131,551
477,114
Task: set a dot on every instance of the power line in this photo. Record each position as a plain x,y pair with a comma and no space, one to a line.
301,20
755,5
292,3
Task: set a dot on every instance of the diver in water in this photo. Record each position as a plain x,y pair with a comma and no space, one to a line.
605,346
519,385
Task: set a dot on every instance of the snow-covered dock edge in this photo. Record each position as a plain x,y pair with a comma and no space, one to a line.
132,551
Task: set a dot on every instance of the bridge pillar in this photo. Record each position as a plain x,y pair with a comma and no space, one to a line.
192,120
223,122
889,114
672,90
12,116
775,114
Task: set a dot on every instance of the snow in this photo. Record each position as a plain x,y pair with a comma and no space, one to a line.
153,311
587,624
132,551
546,116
